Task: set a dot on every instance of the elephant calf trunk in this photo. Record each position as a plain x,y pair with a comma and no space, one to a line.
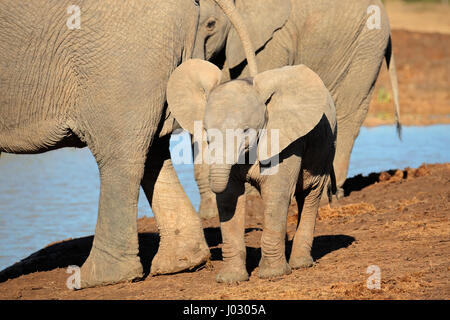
218,177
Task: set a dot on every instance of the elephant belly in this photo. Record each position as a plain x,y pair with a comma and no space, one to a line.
54,78
38,137
37,79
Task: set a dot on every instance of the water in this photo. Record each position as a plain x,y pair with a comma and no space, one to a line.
54,196
377,149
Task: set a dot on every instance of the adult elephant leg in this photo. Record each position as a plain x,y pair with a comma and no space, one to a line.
344,146
352,98
114,254
182,243
348,131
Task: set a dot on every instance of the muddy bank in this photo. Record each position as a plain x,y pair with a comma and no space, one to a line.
397,220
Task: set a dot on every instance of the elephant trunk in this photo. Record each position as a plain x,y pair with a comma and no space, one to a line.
236,20
218,177
199,48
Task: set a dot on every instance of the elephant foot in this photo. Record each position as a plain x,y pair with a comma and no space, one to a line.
339,193
334,197
270,269
325,198
208,206
232,273
177,254
302,261
102,269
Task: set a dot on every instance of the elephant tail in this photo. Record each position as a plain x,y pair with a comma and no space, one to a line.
390,62
332,187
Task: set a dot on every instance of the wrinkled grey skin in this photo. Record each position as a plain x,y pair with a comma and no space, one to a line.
292,100
103,86
330,37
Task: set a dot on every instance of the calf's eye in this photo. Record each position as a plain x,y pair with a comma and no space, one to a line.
210,25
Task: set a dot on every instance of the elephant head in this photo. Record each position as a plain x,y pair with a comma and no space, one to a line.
231,15
289,100
214,30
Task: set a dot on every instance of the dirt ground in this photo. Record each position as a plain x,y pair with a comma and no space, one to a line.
397,220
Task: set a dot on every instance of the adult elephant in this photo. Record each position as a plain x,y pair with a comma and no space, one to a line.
102,84
344,42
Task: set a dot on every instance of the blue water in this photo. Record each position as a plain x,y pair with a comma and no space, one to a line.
54,196
379,148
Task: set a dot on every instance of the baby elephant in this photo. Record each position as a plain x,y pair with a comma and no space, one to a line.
298,113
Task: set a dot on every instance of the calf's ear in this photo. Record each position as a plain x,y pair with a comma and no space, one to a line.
188,89
296,101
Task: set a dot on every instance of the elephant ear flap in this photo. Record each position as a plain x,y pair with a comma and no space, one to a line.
262,19
188,89
296,100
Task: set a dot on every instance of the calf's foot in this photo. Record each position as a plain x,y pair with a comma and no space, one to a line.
232,272
269,268
301,261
